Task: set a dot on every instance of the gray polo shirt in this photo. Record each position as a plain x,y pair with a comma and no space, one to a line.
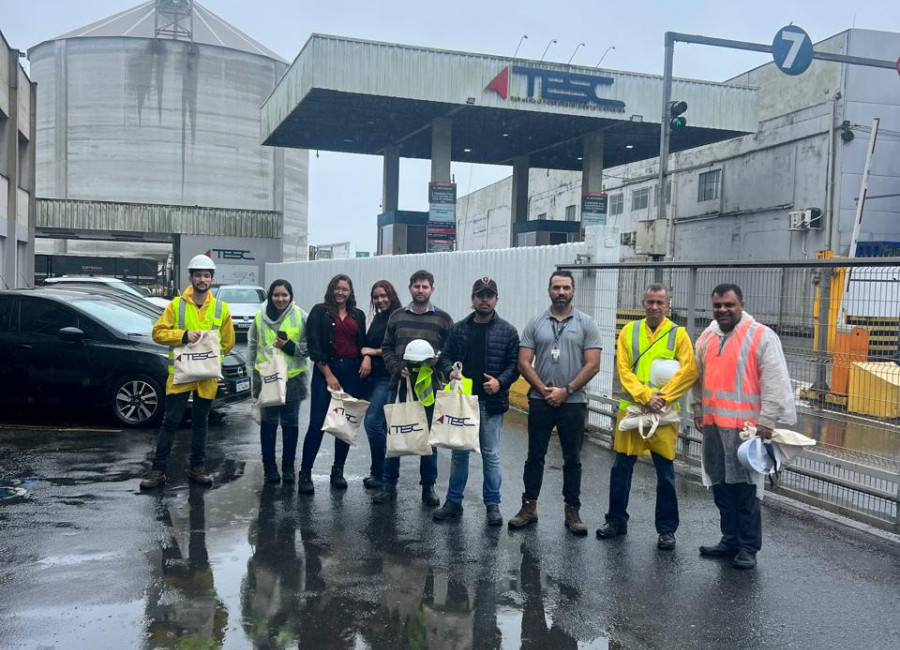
577,333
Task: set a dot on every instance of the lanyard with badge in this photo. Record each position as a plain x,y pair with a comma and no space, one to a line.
558,330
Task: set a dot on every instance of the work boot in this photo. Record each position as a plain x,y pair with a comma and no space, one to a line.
429,498
199,476
574,523
611,529
494,518
386,494
448,511
718,550
744,560
270,470
287,472
666,542
153,480
527,514
305,484
338,482
372,482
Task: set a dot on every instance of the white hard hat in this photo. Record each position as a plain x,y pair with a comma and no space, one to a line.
201,263
759,457
419,350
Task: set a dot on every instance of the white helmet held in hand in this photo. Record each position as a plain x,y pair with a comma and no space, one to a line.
201,263
419,350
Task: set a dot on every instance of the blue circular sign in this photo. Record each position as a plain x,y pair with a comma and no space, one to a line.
792,50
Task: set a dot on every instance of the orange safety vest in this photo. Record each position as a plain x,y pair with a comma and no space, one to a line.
731,390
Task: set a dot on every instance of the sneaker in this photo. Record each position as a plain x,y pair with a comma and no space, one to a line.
494,518
338,482
744,560
666,542
527,514
574,523
372,483
305,484
611,529
153,480
199,476
387,493
718,550
429,498
448,511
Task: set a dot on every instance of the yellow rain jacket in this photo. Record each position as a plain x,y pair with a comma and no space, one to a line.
165,332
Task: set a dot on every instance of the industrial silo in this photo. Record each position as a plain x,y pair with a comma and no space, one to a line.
148,121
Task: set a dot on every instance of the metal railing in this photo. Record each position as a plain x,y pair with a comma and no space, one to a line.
846,382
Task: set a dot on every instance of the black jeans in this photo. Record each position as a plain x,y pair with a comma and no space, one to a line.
739,516
175,405
288,415
569,422
666,499
347,373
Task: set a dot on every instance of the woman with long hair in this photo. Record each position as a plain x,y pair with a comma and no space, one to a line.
384,302
280,325
336,334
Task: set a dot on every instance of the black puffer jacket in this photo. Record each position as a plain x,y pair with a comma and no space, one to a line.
501,357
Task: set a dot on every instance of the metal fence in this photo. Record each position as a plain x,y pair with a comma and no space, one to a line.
846,382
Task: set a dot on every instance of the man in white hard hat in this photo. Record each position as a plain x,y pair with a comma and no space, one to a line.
420,319
642,346
194,311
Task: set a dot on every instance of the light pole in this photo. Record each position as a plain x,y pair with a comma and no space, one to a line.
552,41
524,38
577,47
611,47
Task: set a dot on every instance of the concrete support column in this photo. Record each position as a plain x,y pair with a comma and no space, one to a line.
592,163
11,245
519,204
390,179
441,138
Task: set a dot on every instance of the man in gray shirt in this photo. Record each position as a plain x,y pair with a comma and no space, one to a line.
559,353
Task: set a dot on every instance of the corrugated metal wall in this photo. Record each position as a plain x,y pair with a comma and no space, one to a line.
521,275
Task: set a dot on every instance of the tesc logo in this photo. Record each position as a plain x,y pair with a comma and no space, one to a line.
555,86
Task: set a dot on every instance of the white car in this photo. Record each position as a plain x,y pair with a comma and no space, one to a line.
114,283
243,303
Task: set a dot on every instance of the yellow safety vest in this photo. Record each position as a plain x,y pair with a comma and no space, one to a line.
293,325
646,353
189,319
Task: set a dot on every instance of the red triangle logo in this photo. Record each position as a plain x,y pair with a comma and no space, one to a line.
500,83
178,358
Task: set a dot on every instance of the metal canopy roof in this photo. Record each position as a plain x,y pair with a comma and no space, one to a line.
357,96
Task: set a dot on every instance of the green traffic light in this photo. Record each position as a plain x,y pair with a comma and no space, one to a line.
678,123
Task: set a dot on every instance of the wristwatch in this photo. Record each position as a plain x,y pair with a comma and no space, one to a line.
569,389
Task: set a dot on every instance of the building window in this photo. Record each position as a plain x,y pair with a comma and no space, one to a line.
616,204
571,213
542,216
709,185
640,199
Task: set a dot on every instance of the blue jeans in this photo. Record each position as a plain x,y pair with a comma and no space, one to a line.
288,414
377,391
427,464
666,499
347,373
489,441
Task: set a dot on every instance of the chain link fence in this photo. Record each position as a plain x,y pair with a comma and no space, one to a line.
839,324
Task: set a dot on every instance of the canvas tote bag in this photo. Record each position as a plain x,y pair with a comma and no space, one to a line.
407,426
199,360
272,379
456,420
345,414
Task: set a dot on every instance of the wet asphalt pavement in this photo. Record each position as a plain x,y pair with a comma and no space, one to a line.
86,561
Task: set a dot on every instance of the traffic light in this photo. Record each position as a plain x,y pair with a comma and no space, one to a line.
676,119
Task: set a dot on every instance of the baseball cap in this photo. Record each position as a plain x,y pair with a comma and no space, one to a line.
484,284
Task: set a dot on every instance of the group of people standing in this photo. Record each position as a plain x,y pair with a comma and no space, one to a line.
737,370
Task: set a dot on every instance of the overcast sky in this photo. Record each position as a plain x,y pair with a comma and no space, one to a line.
635,29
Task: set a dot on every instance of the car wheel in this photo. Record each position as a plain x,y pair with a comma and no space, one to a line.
137,401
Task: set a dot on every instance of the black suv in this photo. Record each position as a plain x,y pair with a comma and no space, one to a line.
76,349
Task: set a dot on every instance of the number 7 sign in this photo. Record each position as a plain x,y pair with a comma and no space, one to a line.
792,50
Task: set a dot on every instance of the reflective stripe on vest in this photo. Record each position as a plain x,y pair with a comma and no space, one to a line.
731,390
267,336
189,319
651,353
